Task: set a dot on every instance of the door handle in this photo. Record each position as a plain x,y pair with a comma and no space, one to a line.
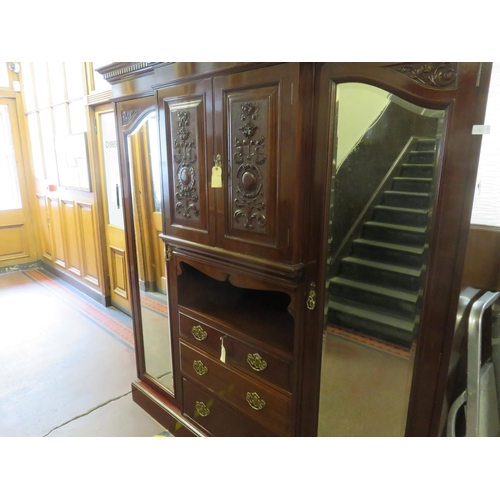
117,196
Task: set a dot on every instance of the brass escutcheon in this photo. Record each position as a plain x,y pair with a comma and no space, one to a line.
256,362
200,368
202,409
199,333
311,300
255,401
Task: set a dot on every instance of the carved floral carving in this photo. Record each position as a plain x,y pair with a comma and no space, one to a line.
185,157
433,75
249,155
128,116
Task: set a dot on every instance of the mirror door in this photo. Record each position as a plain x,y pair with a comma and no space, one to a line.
387,142
140,158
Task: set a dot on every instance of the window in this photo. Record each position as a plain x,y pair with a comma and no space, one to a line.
54,105
10,195
486,209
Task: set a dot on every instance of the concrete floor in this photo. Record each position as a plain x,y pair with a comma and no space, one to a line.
63,371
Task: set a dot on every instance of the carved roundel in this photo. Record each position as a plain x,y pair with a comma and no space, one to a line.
249,180
185,178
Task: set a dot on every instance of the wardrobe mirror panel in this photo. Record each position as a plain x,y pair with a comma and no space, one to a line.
385,159
144,165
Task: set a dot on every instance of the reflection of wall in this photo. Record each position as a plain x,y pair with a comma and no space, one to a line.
360,106
482,260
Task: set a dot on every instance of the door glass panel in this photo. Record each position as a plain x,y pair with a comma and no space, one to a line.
10,194
144,165
112,170
385,156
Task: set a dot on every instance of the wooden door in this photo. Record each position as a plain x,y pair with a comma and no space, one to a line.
113,207
444,168
254,129
16,232
185,121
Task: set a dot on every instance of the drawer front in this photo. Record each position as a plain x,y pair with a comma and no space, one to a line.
262,404
214,416
258,363
199,334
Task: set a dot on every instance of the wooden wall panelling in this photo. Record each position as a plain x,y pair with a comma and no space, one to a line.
56,233
482,260
44,224
71,237
88,237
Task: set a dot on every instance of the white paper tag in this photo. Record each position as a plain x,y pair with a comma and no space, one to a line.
480,129
222,350
216,177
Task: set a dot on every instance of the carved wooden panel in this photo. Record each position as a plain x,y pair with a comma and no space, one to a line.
252,131
186,127
186,147
432,75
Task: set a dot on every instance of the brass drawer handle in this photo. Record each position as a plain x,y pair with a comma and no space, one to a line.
199,333
202,409
255,401
256,362
200,368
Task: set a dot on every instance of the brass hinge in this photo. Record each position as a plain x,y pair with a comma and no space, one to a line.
479,71
291,94
95,125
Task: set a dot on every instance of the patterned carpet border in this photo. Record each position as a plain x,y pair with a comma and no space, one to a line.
93,312
359,338
154,305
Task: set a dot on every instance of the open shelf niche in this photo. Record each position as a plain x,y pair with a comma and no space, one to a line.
255,316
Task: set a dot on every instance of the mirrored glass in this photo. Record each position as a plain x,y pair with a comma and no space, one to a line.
144,165
385,158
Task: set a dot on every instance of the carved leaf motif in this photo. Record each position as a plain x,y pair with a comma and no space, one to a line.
433,75
128,116
249,156
185,156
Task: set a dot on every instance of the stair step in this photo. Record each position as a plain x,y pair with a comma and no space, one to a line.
412,184
425,145
426,157
398,215
406,200
364,319
369,271
416,170
393,233
388,300
407,256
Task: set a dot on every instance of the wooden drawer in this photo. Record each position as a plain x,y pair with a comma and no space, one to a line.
215,417
262,404
261,364
258,363
200,334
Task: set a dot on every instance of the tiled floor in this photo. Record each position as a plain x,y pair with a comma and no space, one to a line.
66,363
